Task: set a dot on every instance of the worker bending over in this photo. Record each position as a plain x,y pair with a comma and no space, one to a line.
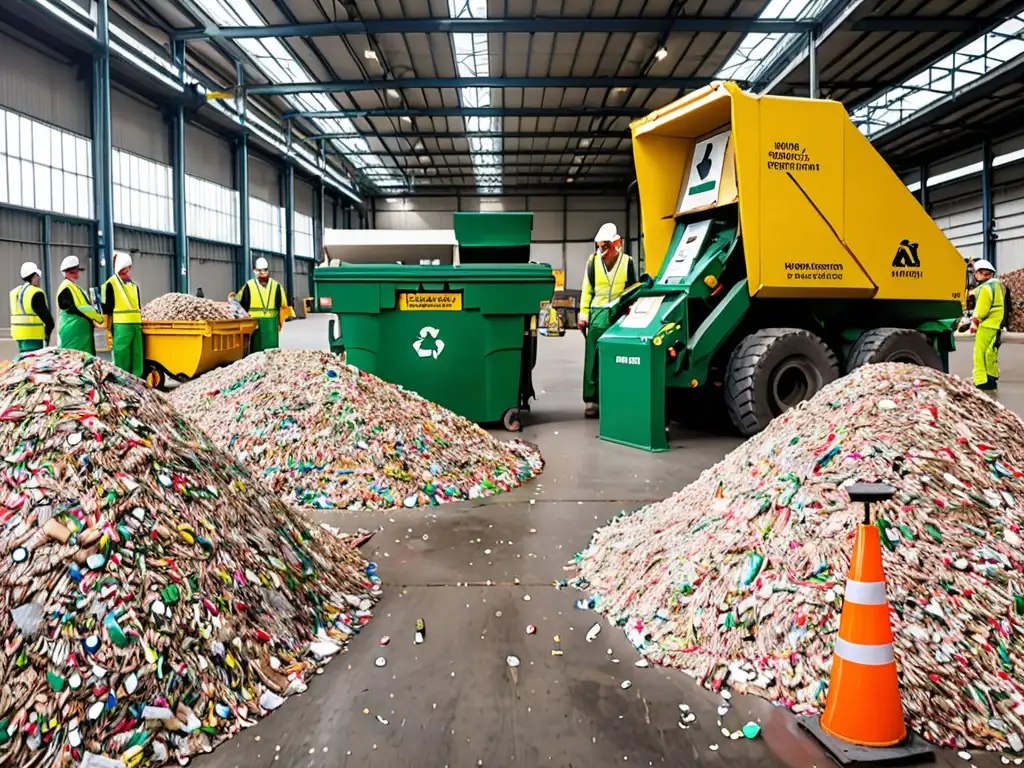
609,272
263,298
77,316
31,321
123,303
987,323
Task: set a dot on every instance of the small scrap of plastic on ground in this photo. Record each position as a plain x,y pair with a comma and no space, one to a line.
739,577
154,598
324,435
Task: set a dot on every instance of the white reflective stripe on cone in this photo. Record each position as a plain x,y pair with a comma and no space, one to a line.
865,592
870,655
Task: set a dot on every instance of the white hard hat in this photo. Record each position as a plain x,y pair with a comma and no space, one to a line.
607,233
983,264
261,264
122,260
71,262
28,269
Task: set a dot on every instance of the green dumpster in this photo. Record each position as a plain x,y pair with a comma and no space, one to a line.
461,336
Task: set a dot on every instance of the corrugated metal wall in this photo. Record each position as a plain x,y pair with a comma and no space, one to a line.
213,269
70,240
20,241
302,267
303,197
208,157
42,85
264,181
139,128
152,260
276,267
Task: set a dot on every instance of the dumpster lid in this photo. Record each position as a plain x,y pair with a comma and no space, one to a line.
415,273
389,246
494,238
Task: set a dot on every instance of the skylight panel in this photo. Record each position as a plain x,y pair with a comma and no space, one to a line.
958,70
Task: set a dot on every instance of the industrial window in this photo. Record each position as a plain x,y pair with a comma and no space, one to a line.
304,235
43,167
143,192
212,211
266,226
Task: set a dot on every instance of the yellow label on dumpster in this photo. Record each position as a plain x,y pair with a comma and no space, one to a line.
443,302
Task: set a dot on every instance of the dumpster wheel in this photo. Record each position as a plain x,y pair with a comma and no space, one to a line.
892,345
773,370
511,420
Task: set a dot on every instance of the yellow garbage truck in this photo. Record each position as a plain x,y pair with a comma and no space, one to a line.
781,252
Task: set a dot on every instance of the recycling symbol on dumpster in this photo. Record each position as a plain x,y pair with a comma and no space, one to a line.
428,345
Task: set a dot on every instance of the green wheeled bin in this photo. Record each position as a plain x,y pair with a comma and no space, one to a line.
461,336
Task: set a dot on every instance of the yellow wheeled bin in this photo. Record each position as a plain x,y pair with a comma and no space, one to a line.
184,349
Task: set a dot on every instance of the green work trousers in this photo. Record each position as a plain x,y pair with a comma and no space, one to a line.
986,358
266,334
128,347
600,321
29,346
76,333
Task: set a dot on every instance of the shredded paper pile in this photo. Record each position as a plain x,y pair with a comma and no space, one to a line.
154,599
185,306
323,434
739,577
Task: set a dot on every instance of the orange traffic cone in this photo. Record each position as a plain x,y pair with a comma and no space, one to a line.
863,705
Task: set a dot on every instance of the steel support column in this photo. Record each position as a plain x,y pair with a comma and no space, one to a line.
289,232
243,263
812,63
988,224
181,266
47,223
318,229
922,193
102,151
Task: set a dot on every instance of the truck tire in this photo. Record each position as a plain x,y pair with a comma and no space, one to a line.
771,371
892,345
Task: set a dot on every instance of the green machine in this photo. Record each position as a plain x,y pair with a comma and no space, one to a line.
649,349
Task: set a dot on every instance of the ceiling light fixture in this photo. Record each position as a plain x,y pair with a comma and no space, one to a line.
584,143
406,118
393,93
570,180
424,159
370,54
391,200
661,54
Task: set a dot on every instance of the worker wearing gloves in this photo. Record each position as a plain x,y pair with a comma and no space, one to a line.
123,304
263,298
986,324
609,272
77,316
31,321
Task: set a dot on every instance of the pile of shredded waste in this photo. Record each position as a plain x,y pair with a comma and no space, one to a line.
1014,281
154,599
185,306
738,578
324,434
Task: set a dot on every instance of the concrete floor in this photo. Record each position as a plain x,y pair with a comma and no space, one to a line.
452,701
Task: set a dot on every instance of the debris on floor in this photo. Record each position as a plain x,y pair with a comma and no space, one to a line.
325,435
739,577
155,599
185,306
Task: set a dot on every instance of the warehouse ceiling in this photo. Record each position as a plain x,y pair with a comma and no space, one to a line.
419,96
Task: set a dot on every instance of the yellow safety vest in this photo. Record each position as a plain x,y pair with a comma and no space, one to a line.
81,303
989,305
261,300
26,325
608,284
126,302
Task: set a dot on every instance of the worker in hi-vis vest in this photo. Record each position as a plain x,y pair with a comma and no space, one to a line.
263,298
122,302
987,325
78,317
609,272
31,321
